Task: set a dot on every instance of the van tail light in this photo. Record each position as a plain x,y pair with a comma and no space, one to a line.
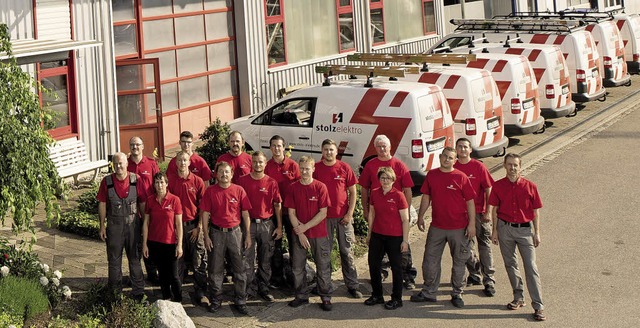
516,106
470,126
550,91
417,150
581,76
636,57
607,62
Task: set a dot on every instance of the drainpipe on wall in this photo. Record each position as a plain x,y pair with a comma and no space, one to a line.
368,44
514,7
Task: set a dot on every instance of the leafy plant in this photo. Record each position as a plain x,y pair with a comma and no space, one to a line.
21,262
87,201
7,319
128,313
22,297
360,224
81,223
163,166
216,142
28,177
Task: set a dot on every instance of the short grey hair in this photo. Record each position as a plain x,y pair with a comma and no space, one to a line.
383,138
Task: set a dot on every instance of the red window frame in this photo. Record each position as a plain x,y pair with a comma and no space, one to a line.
137,24
378,4
71,129
340,10
275,19
424,17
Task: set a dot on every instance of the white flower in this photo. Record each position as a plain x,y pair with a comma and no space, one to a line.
44,281
66,291
58,274
4,270
12,326
45,268
55,281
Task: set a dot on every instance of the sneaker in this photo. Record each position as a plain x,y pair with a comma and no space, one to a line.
515,304
393,304
373,300
266,296
355,293
242,308
326,305
457,301
538,315
408,285
489,291
420,297
298,302
214,307
471,281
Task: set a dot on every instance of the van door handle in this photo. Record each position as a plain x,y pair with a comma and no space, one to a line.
303,138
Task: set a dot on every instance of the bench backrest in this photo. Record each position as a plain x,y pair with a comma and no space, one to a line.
68,152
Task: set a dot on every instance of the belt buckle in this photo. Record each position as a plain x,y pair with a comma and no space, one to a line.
258,221
226,229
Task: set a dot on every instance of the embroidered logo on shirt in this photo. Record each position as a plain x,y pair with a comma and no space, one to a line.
338,177
192,189
263,189
145,173
471,176
391,200
233,200
194,170
313,199
451,187
168,207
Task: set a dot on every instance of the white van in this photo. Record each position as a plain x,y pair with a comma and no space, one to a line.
551,71
629,26
611,49
416,118
577,45
476,106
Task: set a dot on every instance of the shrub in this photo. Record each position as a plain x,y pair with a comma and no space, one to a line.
127,313
89,321
7,319
163,166
22,297
87,201
216,142
21,262
81,223
360,225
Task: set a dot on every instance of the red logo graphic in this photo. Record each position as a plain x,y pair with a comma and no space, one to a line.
337,117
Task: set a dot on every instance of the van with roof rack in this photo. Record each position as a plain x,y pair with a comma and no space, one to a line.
629,26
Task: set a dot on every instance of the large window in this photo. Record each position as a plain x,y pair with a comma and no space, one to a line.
376,12
576,2
429,16
125,29
345,25
58,96
276,51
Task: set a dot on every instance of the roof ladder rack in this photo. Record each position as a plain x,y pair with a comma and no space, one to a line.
516,25
413,58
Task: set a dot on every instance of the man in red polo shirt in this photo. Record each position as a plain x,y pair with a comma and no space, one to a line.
307,202
266,225
341,184
145,168
481,181
197,166
236,157
224,208
189,188
285,171
515,208
452,222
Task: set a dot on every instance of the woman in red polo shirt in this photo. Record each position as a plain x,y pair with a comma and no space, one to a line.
388,233
162,235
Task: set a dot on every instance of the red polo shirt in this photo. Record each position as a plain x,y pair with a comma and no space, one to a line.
190,191
307,201
369,176
121,188
240,164
162,221
516,201
480,179
262,193
338,178
387,209
284,173
225,205
145,170
197,166
449,192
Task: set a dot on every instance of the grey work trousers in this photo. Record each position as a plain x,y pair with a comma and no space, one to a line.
522,238
194,256
230,244
480,265
346,237
124,234
322,256
262,243
432,261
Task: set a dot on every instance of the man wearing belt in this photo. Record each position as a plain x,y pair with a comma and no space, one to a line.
189,188
224,208
481,181
236,157
515,206
118,204
285,171
145,168
266,207
197,164
452,222
341,185
307,202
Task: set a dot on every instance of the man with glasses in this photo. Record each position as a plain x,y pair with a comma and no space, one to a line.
198,165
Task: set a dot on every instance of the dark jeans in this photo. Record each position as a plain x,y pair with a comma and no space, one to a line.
378,246
163,255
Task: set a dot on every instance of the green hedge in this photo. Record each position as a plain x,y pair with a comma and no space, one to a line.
22,297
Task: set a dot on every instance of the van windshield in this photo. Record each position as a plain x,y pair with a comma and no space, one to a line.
428,111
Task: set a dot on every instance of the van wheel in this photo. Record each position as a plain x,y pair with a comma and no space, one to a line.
364,162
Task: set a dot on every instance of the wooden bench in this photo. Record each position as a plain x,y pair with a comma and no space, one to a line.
71,159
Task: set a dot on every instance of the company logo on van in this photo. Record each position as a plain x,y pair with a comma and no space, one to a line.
337,117
338,128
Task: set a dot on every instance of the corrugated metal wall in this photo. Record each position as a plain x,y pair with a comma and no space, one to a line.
53,21
97,118
18,15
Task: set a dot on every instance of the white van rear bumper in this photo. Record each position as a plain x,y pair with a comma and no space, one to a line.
518,130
